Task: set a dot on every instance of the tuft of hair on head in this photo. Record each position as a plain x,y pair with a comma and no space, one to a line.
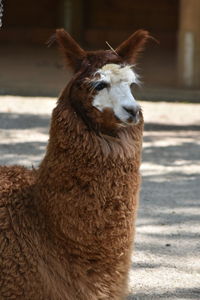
130,48
111,48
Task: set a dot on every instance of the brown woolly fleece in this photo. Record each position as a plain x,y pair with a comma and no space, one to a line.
67,228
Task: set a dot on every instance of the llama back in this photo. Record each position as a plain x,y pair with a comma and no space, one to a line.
17,262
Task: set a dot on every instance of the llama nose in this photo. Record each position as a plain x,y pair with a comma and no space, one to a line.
133,112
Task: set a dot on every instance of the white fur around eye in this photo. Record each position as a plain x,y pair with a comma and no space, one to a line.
101,100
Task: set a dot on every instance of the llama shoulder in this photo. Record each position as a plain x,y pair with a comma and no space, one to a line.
15,191
15,195
15,183
13,180
17,175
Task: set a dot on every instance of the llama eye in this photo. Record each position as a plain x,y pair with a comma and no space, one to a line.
133,85
100,85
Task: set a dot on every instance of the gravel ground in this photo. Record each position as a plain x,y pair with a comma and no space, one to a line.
166,263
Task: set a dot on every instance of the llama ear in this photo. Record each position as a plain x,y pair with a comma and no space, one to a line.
72,52
131,47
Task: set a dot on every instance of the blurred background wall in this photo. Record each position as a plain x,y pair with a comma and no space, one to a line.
169,69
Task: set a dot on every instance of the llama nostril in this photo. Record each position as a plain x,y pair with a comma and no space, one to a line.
133,111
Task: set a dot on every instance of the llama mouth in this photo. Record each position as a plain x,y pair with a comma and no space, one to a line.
134,119
131,120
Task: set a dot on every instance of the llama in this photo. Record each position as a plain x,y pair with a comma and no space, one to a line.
67,228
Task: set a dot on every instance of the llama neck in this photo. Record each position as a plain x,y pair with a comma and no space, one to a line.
87,183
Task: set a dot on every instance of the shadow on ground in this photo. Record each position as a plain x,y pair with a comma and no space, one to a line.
23,121
176,294
23,138
168,127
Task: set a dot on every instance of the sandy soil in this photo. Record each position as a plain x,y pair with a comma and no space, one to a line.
166,262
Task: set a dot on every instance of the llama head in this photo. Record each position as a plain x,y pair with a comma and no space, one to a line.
100,90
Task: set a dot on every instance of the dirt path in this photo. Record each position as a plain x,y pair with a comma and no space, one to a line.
166,262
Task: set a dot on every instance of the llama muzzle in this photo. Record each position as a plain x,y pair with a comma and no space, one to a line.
133,113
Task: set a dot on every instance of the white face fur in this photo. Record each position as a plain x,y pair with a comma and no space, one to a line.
116,92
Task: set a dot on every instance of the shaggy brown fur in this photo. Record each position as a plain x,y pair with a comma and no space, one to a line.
66,229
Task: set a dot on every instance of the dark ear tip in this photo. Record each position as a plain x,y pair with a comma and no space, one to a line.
146,35
61,33
142,33
60,29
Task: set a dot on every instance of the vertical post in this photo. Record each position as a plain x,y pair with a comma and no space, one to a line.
67,15
189,44
72,17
